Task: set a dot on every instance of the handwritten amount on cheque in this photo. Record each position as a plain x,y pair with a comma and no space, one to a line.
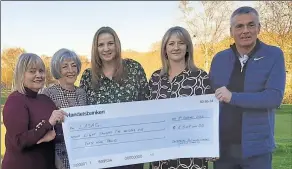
98,134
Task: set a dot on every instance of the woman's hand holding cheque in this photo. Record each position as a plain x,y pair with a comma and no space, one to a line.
56,117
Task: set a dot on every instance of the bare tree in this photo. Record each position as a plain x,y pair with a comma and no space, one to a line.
276,21
209,26
276,29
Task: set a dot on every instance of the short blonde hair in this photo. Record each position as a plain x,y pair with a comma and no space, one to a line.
183,34
25,62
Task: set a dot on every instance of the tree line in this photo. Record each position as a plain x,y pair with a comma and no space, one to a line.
210,31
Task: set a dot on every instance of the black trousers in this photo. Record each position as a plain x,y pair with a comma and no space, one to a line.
231,158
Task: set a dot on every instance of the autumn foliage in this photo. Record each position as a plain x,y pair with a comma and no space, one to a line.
276,29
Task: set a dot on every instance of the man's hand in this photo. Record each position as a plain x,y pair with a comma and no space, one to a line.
223,94
50,135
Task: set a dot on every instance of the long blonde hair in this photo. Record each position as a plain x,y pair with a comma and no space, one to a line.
25,61
96,62
186,38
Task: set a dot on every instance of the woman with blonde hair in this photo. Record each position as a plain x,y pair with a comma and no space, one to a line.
178,77
29,118
112,79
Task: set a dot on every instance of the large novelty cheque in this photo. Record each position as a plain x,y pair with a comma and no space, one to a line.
109,135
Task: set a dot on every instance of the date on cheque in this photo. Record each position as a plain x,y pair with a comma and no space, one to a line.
206,101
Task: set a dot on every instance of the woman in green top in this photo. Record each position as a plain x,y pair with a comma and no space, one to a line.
112,79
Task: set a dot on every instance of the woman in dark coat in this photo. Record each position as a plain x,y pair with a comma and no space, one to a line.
29,119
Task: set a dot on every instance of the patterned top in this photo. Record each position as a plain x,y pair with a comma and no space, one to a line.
64,98
187,83
134,86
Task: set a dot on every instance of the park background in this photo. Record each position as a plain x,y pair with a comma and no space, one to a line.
45,27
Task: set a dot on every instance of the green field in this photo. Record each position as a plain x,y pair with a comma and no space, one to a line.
282,158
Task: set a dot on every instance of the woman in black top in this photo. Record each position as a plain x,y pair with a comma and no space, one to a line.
178,77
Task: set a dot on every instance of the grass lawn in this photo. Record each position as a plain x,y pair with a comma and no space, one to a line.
282,158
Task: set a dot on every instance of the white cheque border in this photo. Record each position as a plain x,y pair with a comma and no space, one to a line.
139,108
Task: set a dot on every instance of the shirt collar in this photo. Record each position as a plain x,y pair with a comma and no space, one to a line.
186,70
257,46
